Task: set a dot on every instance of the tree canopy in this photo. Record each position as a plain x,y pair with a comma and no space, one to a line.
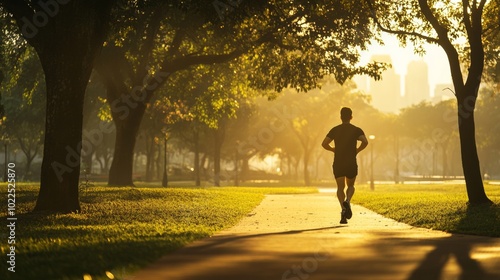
279,45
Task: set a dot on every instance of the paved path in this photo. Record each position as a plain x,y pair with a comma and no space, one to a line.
298,237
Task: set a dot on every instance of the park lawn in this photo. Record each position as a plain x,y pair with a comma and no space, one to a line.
120,229
439,207
123,229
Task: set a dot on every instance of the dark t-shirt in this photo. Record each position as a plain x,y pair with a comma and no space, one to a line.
345,137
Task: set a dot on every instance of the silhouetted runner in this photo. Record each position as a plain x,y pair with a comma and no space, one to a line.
345,168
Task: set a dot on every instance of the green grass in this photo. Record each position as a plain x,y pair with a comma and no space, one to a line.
120,229
440,207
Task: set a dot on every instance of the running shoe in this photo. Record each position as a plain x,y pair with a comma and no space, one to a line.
348,211
343,219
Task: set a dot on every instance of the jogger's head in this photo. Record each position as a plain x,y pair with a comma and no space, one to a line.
345,114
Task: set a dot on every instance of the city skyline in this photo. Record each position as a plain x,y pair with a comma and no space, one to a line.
395,91
438,75
434,56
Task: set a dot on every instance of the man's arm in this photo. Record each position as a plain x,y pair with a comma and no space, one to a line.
326,144
364,143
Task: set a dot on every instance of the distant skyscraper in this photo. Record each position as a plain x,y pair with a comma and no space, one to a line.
416,83
386,93
361,82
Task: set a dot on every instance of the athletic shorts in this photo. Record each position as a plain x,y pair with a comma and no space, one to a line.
340,170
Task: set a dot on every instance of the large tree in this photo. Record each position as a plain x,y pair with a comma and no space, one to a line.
288,43
212,96
67,36
444,23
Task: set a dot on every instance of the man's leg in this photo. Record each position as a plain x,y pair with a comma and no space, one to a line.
340,190
350,193
341,197
350,188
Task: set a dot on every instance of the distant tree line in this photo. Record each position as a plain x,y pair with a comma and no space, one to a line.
421,140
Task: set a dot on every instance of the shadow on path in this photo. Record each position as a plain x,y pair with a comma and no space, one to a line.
232,237
445,249
461,249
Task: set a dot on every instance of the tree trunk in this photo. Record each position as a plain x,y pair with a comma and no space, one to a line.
120,172
197,158
307,179
296,170
396,166
236,167
217,150
29,158
150,151
28,168
67,47
104,160
127,119
445,159
219,135
63,136
470,160
101,165
244,169
317,163
158,163
202,166
29,152
87,162
289,168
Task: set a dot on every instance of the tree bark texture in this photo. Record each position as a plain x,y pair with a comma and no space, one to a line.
67,44
470,159
121,170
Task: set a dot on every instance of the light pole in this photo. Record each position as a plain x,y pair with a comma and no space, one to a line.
164,182
5,160
372,184
236,159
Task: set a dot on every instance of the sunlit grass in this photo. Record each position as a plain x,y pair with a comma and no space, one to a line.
121,229
440,207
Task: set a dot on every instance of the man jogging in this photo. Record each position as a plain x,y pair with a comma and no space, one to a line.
345,169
